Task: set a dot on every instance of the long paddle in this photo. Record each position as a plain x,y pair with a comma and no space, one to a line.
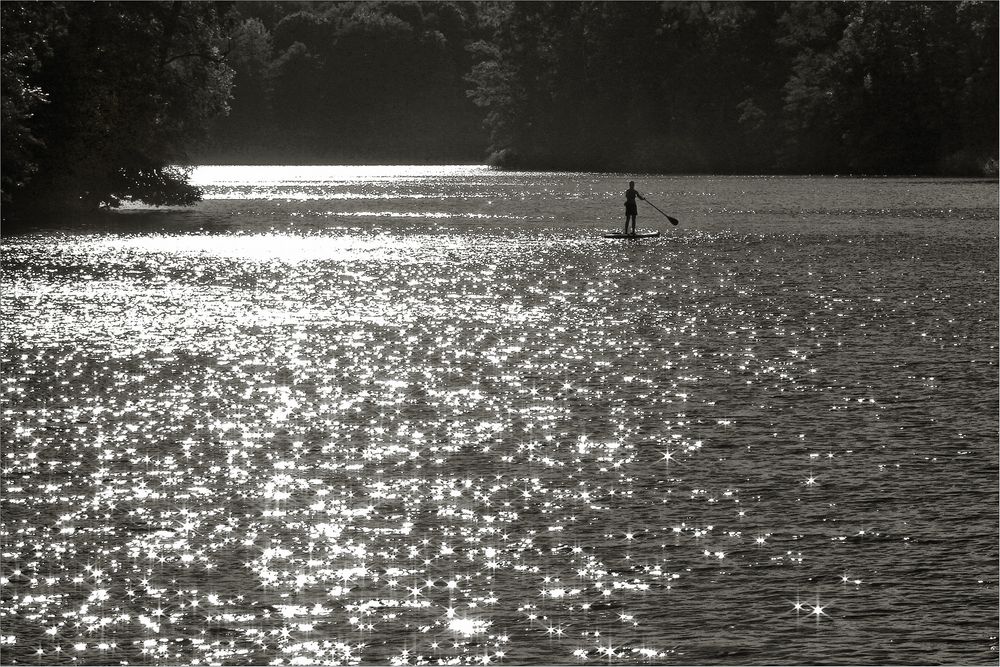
673,221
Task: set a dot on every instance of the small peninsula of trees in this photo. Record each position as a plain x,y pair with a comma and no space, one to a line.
105,102
101,100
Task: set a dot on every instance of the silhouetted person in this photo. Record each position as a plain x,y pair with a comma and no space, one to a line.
631,210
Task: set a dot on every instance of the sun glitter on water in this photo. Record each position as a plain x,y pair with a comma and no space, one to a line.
282,432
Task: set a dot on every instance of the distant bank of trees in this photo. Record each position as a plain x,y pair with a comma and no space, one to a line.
816,87
348,82
101,99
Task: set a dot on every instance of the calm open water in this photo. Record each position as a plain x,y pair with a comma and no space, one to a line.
343,415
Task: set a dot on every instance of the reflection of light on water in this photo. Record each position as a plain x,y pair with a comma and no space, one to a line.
280,247
468,626
310,182
261,176
473,448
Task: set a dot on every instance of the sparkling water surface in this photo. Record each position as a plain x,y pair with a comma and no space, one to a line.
415,415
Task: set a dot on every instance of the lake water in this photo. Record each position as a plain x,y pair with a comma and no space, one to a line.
418,414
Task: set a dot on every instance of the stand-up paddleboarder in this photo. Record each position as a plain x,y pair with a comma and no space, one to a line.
631,210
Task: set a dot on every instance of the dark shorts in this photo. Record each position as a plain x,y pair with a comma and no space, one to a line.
631,208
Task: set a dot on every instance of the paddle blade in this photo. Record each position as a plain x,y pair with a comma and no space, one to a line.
673,221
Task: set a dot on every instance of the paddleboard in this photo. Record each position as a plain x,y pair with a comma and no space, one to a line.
645,235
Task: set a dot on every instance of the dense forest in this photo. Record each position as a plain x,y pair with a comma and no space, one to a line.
101,100
872,87
106,101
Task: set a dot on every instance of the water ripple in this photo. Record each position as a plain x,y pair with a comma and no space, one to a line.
440,443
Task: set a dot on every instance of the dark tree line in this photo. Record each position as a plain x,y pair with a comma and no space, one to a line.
103,101
352,82
856,87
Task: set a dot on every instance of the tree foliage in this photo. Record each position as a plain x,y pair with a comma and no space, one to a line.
354,82
910,87
102,98
872,87
25,30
